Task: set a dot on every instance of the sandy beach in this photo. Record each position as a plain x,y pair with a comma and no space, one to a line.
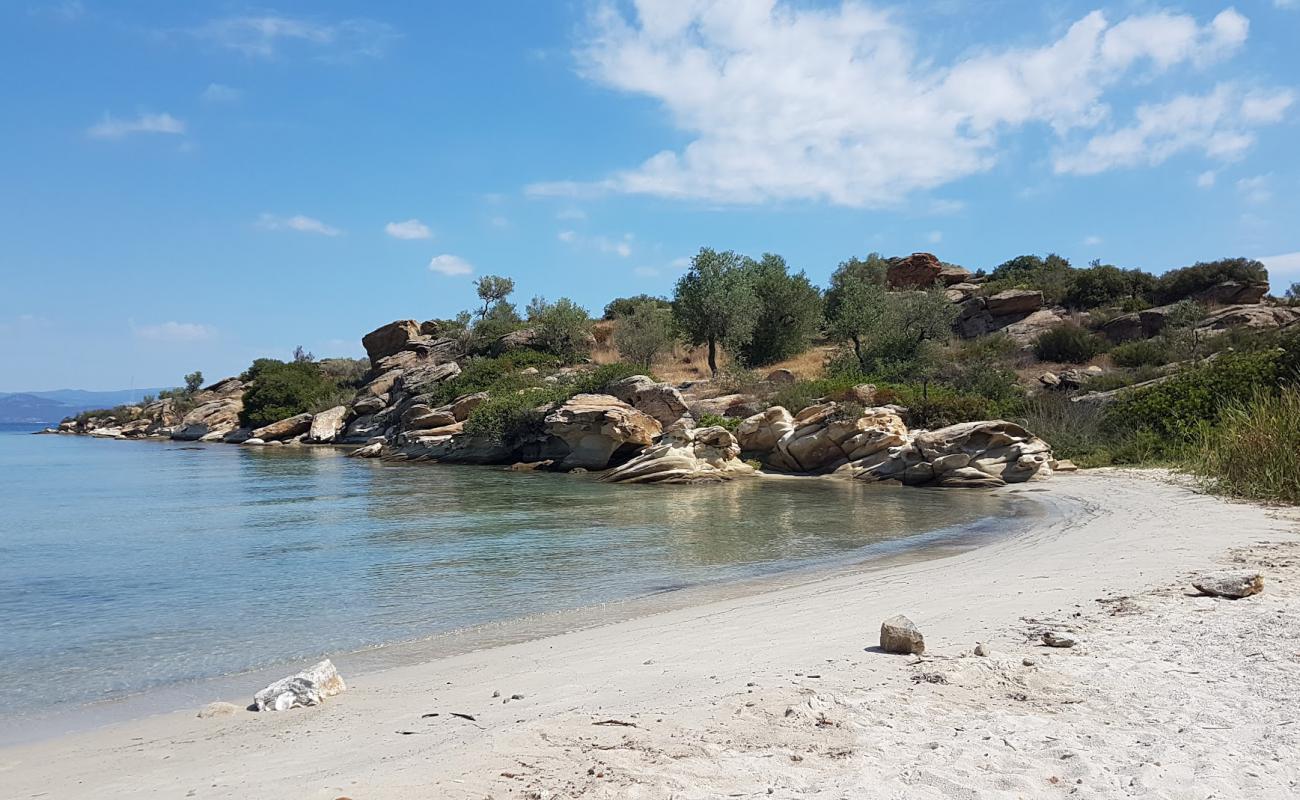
782,694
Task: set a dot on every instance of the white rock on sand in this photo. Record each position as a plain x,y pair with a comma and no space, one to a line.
776,695
307,688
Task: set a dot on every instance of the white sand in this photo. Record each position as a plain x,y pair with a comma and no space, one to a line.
777,695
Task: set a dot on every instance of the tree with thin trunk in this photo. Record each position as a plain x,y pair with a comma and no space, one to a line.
715,303
492,289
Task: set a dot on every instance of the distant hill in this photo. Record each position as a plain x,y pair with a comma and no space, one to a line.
44,408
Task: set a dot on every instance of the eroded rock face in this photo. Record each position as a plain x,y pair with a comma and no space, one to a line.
593,427
284,429
917,271
425,378
660,400
760,432
972,454
421,417
1231,293
210,421
389,339
820,438
447,445
1258,318
1014,301
327,425
307,688
685,455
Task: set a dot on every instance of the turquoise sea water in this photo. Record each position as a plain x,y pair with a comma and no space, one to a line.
131,565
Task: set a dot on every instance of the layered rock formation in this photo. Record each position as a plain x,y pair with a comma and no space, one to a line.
685,455
593,427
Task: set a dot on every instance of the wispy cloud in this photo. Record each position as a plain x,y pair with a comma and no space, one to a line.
62,10
621,247
1091,241
266,35
410,229
111,127
571,213
782,100
452,266
174,332
217,93
1206,179
298,222
1257,189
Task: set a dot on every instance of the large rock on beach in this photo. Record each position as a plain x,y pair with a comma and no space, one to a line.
898,634
760,433
824,437
593,427
327,425
685,455
660,400
389,339
284,429
307,688
1232,585
981,454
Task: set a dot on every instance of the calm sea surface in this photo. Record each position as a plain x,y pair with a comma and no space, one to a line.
126,566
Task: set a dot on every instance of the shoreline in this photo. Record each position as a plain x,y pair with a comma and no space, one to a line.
1024,506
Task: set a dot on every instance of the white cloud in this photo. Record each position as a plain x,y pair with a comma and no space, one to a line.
1091,241
499,222
1283,270
567,236
174,332
1215,124
621,247
934,237
1257,189
111,127
410,229
220,93
842,104
450,265
264,35
298,222
1206,179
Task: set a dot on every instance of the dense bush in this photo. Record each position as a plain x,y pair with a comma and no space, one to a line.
789,312
562,328
624,306
345,372
1104,285
281,390
1068,344
1051,275
512,417
1141,353
1255,450
1186,282
499,375
712,420
644,333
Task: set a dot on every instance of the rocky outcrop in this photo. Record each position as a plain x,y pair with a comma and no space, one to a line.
210,421
389,339
917,271
307,688
685,455
327,425
1255,318
448,445
971,454
1232,293
1137,325
594,427
462,406
425,377
1017,313
825,437
1014,301
781,377
728,405
284,429
759,433
961,292
659,400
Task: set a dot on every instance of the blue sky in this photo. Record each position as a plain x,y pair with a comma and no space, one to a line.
194,185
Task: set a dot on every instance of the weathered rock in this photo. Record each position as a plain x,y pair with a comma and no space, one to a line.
1255,318
419,417
659,400
284,429
1230,293
365,427
253,442
1014,301
389,339
307,688
382,384
1137,325
899,635
781,377
961,292
917,271
685,455
370,404
516,340
982,650
972,454
760,432
1054,639
531,466
463,405
372,450
1026,330
827,436
593,427
1050,379
1232,585
212,419
426,378
728,405
953,275
218,709
448,445
327,425
238,436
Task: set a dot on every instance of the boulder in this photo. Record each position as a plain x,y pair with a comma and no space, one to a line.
593,427
1013,301
327,425
369,404
238,436
827,436
284,429
781,377
448,445
463,405
659,400
427,377
961,292
365,427
1233,293
515,340
953,275
917,271
1025,331
307,688
372,450
685,455
1232,585
760,433
212,419
971,454
728,405
1136,325
1255,318
898,634
419,417
389,339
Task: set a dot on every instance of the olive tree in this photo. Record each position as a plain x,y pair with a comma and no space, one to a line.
643,334
789,312
715,302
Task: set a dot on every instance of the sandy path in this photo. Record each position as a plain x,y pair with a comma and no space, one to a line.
777,695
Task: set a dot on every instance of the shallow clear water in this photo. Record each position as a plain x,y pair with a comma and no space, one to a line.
128,565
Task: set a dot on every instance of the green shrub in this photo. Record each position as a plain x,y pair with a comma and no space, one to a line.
562,328
1183,283
281,390
597,380
1104,285
1140,353
710,420
1052,276
1068,344
512,417
1255,450
644,333
626,306
497,375
345,372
